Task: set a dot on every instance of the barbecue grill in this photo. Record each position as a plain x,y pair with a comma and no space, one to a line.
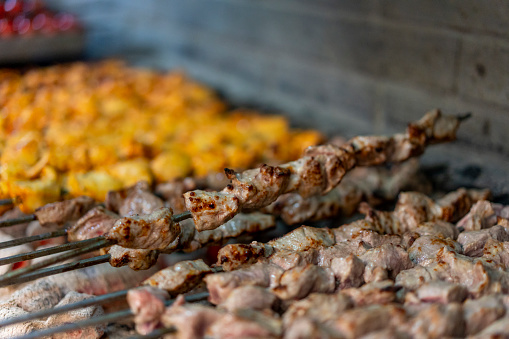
365,237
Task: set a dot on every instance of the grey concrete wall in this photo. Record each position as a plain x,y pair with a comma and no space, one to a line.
349,66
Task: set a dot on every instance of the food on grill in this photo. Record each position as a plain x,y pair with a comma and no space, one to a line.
60,213
179,278
136,259
148,231
249,297
318,172
374,185
342,241
137,199
220,285
197,321
147,303
98,221
167,126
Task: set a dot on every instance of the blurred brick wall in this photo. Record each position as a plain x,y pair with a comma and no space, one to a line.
349,66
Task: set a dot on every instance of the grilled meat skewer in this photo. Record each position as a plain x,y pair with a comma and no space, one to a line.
318,172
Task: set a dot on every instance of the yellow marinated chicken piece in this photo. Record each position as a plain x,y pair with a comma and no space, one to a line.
89,128
95,184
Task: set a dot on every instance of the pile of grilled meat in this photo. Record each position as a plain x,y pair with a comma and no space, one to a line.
428,268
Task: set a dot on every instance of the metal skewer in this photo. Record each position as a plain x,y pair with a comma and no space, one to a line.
5,202
25,270
26,240
17,221
99,300
46,251
101,319
75,265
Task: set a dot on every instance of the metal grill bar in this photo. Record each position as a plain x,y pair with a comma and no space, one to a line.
5,202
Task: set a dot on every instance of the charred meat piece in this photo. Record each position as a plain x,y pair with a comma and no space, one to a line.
220,285
211,209
147,304
233,256
497,251
424,249
179,278
299,282
62,212
438,228
98,221
136,259
150,231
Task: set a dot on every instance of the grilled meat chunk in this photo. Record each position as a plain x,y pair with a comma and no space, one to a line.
98,221
473,241
147,304
173,191
442,292
233,256
299,282
482,215
139,200
424,249
360,321
303,238
220,285
249,297
136,259
179,278
389,257
379,292
211,209
150,231
497,251
246,324
62,212
191,321
348,271
482,312
437,321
